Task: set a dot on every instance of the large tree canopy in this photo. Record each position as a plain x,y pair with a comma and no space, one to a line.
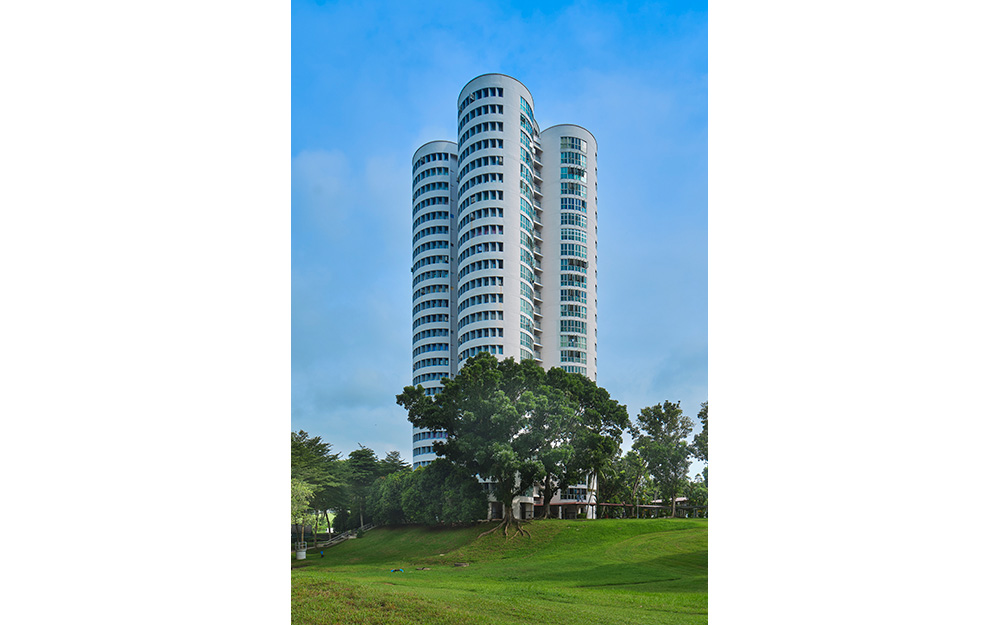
513,424
487,411
581,437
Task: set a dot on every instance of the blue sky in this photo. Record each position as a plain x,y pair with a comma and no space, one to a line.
371,82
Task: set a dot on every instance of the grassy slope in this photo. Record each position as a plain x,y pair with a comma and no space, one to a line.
628,572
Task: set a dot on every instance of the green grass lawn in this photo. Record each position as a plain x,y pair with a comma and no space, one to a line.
596,571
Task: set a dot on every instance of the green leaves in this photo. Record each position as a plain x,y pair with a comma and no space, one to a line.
700,444
302,494
660,440
515,424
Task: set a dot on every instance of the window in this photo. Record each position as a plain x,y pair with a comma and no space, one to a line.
430,362
482,213
478,128
422,204
472,351
429,158
573,264
573,173
477,300
573,219
573,356
483,178
573,310
527,240
528,209
527,273
430,347
486,109
527,323
572,295
480,196
572,143
480,265
572,188
479,232
430,319
480,333
526,108
480,145
430,245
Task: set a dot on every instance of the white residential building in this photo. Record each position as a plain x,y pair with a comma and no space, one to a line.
504,246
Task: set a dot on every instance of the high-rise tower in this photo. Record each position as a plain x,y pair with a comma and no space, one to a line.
504,242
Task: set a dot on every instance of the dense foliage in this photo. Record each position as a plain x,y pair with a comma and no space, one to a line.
516,425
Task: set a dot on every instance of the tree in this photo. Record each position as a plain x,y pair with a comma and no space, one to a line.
311,458
696,490
581,431
362,469
392,463
486,411
302,493
625,480
386,503
700,443
442,493
635,470
515,424
552,424
660,440
313,463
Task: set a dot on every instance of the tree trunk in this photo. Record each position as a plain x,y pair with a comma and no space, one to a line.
547,493
673,507
509,521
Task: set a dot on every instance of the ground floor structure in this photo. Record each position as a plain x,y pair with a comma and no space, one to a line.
576,502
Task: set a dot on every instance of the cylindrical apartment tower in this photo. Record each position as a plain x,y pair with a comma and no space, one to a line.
487,305
432,276
504,244
569,309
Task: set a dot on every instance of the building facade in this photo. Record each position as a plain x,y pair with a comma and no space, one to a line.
504,244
